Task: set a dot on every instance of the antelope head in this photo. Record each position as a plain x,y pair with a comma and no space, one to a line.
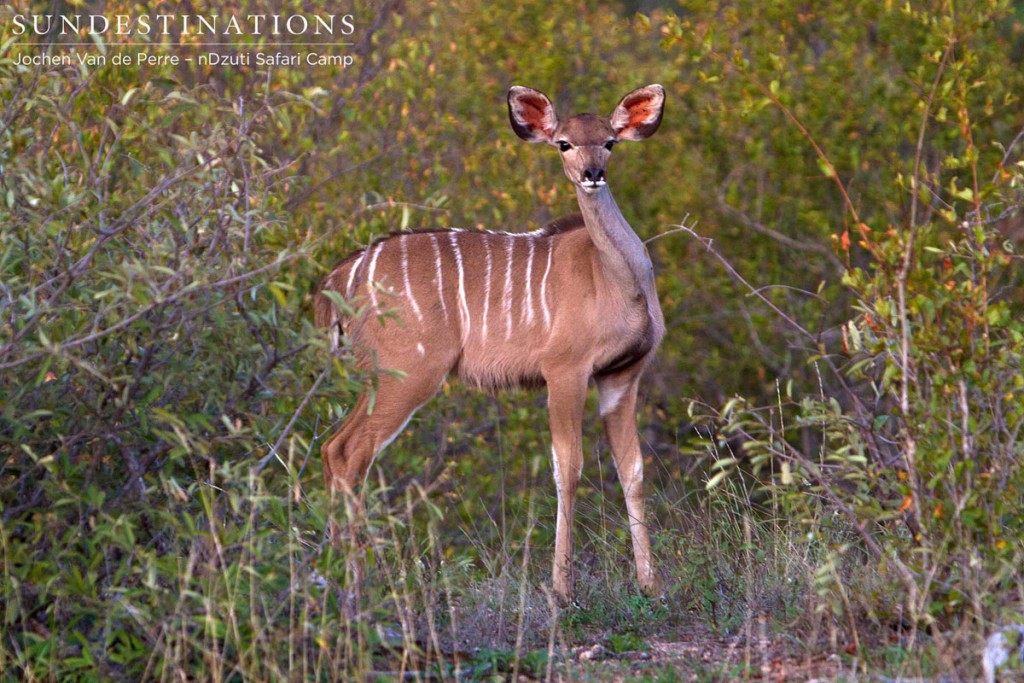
586,140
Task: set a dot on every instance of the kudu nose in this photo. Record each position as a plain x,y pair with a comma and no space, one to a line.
594,175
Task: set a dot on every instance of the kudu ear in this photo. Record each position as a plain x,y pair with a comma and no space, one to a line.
639,113
531,114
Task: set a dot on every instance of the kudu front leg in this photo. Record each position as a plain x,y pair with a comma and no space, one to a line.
565,411
618,408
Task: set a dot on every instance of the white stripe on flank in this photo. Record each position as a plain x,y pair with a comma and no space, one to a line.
352,275
405,276
528,300
462,288
438,276
370,284
506,297
487,285
544,287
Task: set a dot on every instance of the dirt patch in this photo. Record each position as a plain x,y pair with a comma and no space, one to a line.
702,656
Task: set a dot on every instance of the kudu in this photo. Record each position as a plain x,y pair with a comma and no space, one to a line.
558,306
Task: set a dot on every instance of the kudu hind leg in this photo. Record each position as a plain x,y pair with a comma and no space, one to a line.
342,459
369,427
347,457
333,451
618,408
348,454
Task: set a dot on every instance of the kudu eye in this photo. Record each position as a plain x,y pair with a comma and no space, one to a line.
564,146
608,145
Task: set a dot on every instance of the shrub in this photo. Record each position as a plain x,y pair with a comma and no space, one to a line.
911,440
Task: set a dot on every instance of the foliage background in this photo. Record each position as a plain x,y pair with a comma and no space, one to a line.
831,428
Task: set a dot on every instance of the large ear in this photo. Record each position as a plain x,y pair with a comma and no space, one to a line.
639,113
531,114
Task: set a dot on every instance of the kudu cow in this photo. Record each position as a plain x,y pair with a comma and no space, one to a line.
559,306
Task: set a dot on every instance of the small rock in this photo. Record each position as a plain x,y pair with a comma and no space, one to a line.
998,648
590,654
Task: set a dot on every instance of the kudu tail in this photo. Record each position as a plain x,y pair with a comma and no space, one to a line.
325,313
341,280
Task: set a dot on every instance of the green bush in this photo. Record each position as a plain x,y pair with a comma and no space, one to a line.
907,434
163,394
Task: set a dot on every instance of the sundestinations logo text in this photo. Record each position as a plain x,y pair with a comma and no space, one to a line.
182,25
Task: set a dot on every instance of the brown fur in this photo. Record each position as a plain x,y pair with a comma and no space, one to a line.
561,306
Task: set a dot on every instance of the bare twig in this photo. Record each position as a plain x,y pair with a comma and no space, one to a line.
785,240
708,244
681,228
908,575
909,441
1009,151
857,403
291,423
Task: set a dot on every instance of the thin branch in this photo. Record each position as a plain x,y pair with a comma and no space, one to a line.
785,240
1009,150
181,293
816,340
291,423
908,575
301,199
798,290
910,443
707,242
681,228
919,149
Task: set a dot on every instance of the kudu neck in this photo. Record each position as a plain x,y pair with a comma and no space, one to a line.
621,253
